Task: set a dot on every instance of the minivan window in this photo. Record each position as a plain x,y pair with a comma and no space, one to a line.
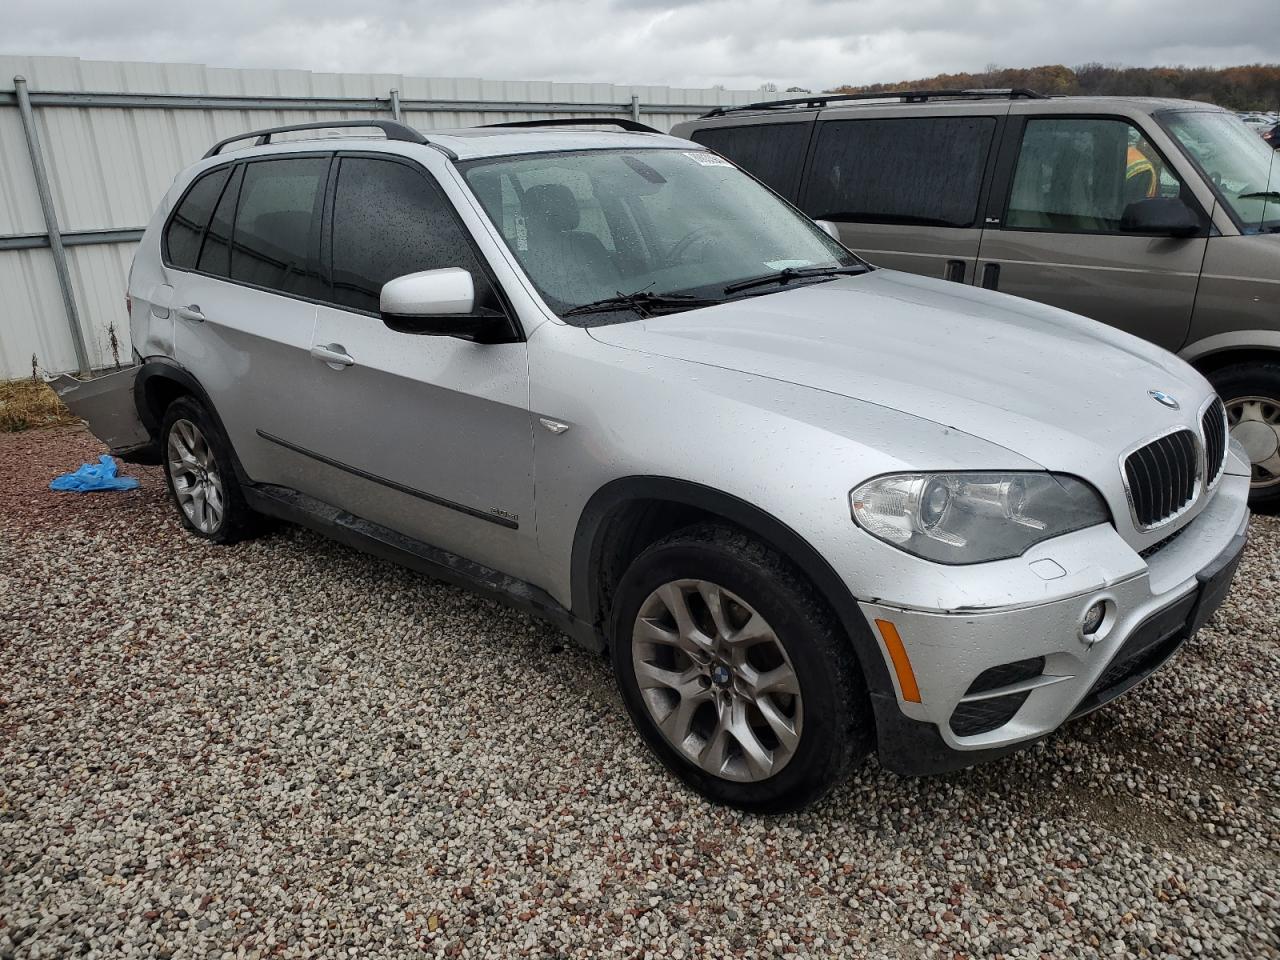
1077,175
277,226
215,255
186,228
388,221
1243,168
771,152
911,170
678,223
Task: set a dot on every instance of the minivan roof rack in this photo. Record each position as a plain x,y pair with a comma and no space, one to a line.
393,129
905,96
632,126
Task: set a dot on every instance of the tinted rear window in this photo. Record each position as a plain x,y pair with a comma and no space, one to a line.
277,227
215,255
925,170
182,236
771,152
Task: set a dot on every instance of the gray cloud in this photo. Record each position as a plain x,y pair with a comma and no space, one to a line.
737,43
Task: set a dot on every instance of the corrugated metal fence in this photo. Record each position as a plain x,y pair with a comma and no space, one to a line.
113,135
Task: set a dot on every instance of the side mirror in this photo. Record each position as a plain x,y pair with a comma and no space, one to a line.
439,303
1162,217
829,228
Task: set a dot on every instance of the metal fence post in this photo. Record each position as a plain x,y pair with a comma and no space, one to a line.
395,104
635,107
51,224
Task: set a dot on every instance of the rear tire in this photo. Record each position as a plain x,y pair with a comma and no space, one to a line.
1251,393
200,474
736,673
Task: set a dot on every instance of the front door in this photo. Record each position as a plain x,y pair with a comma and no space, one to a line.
427,435
1058,239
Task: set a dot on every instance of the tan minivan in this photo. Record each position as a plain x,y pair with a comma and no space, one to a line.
1161,217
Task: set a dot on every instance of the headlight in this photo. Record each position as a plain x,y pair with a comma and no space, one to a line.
974,517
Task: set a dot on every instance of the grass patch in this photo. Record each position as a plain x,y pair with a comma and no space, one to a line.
28,403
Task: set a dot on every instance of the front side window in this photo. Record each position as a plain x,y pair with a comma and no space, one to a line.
772,152
1243,167
592,225
186,228
388,221
912,170
277,226
1077,175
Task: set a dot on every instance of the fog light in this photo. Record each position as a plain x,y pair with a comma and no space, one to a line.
1093,618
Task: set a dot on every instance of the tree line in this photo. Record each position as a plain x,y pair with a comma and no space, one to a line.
1254,87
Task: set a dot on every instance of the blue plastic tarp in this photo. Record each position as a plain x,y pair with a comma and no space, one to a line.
90,476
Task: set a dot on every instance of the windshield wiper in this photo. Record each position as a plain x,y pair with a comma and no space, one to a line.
1260,195
787,274
642,302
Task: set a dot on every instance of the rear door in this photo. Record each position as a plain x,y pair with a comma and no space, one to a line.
246,310
1053,230
905,184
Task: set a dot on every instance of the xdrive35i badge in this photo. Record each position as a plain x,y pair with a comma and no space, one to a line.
1159,396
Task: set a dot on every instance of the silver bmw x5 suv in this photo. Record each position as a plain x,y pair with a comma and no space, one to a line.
810,508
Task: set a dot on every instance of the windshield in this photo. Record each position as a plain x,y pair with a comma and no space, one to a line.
596,225
1240,164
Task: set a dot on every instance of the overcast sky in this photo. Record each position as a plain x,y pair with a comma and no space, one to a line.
736,43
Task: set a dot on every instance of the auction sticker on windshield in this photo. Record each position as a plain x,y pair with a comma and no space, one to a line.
709,159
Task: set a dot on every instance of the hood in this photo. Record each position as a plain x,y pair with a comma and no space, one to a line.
1049,385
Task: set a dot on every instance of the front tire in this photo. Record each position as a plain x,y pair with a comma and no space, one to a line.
735,672
200,475
1251,394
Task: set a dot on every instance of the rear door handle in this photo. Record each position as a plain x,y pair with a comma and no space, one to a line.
991,276
334,354
191,312
954,271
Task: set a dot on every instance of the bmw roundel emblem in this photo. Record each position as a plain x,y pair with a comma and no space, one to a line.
1159,396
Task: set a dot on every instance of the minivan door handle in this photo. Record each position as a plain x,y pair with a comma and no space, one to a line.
334,354
954,271
991,276
191,312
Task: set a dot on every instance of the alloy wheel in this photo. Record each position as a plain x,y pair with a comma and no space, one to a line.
1255,423
194,473
716,680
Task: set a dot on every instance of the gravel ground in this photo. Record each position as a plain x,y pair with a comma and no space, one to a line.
286,748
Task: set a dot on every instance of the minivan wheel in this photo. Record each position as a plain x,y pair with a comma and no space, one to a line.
735,672
1251,393
199,474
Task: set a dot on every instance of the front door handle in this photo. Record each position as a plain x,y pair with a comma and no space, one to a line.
334,354
191,312
991,276
954,271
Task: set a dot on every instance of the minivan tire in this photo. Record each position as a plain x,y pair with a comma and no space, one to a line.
199,471
1242,383
746,579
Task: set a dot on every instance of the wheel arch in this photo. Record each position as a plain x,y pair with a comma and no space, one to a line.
1227,349
160,381
627,514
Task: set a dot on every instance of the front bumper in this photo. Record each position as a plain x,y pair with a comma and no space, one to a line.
994,680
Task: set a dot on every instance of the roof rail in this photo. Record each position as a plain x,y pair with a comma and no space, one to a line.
632,126
393,129
905,96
